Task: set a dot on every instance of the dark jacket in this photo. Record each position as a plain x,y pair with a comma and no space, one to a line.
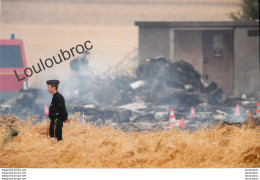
57,107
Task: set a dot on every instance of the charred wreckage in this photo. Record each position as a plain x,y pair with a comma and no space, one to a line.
140,99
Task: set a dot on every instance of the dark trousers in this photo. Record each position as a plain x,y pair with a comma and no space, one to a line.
56,128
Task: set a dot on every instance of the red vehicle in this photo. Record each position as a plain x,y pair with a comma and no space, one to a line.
12,57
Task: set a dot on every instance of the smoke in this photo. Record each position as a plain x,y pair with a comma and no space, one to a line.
157,83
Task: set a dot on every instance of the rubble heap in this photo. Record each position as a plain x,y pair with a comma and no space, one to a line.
141,100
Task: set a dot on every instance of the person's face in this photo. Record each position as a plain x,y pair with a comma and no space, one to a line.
51,89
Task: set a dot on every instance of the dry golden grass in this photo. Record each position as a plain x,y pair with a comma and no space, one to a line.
89,146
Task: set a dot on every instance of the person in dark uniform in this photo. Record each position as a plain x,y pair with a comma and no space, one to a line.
57,111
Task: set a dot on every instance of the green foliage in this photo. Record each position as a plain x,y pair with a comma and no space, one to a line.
249,11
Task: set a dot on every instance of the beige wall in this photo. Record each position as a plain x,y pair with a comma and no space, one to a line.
188,47
246,62
156,41
153,42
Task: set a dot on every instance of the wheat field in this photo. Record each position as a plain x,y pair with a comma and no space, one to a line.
89,146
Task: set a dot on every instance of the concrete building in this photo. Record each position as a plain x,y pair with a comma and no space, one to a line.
224,52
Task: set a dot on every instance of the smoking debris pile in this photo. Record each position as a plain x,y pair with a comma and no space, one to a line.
137,98
25,144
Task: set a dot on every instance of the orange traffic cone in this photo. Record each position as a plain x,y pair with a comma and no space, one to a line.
46,109
192,112
258,109
182,123
44,119
237,113
172,116
178,124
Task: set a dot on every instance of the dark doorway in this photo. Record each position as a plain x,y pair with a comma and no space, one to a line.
218,58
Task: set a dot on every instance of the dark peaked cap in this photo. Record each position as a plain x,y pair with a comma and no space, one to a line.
53,82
